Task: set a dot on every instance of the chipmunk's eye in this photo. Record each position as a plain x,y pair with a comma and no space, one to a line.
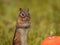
22,15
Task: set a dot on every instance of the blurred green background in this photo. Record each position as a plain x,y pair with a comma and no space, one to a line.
45,17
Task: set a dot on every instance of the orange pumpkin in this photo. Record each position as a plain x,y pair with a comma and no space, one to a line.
55,40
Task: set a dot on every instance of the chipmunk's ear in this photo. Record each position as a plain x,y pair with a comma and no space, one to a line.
20,9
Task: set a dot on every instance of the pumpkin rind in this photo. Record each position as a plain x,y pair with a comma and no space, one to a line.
55,40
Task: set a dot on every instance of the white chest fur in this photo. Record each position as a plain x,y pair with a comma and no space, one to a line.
24,35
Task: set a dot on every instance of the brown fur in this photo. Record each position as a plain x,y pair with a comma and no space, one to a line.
17,38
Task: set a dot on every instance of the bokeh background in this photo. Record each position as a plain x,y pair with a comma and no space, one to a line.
45,17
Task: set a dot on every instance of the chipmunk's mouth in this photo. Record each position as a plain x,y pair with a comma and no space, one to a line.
25,25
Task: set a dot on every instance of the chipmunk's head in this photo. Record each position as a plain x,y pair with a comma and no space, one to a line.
24,14
24,17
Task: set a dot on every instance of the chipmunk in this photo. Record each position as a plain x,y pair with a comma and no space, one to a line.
22,28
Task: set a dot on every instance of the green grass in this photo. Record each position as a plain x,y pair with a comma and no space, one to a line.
45,17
